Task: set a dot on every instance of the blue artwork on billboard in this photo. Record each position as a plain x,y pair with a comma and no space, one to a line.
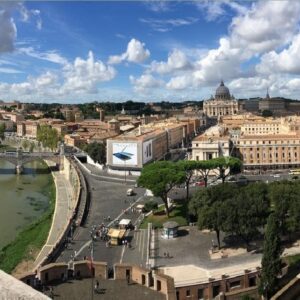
123,155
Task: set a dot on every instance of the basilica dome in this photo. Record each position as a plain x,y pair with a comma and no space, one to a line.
222,92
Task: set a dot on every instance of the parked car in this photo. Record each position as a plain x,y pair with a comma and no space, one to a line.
130,192
200,183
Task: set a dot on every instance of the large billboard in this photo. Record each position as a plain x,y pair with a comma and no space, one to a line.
124,154
147,151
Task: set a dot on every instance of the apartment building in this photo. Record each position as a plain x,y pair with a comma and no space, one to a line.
28,129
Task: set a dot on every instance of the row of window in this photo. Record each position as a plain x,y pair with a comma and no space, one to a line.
267,142
270,155
271,148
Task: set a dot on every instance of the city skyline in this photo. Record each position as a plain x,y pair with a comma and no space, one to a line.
147,51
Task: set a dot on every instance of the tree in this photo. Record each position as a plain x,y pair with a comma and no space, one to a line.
2,130
31,147
271,263
281,195
204,167
210,207
232,164
246,211
96,151
267,113
188,167
25,144
48,137
160,177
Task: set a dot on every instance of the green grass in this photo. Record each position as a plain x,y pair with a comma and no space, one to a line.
178,214
33,237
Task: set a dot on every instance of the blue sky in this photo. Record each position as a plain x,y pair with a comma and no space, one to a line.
74,52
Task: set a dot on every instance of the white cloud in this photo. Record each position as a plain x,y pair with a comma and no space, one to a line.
180,82
136,52
286,61
165,25
177,61
8,29
158,6
9,70
216,9
51,56
80,77
144,82
223,62
266,25
84,75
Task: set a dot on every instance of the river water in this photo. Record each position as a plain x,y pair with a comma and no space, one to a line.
23,198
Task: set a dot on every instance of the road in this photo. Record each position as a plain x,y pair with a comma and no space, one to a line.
107,199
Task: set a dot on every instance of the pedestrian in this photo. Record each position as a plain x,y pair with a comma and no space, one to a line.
128,279
51,292
168,255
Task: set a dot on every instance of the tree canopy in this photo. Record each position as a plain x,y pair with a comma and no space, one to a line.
231,209
96,151
271,263
48,137
2,130
160,177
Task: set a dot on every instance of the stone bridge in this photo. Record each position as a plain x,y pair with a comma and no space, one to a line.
19,158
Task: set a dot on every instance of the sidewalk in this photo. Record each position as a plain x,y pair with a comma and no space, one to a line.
62,213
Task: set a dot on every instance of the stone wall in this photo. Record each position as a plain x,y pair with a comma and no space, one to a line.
55,271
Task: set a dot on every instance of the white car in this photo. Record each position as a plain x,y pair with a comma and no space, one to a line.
276,175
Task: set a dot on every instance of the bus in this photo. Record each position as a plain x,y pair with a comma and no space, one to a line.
294,172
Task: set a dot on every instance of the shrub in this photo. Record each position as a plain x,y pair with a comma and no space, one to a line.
150,205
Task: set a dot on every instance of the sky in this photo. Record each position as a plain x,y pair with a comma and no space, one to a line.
76,51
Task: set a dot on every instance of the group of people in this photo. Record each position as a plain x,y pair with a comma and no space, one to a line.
102,232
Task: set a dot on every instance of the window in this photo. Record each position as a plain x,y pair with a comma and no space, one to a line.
216,290
252,281
188,293
200,294
235,284
158,284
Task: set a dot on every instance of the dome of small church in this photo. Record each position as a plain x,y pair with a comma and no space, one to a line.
222,92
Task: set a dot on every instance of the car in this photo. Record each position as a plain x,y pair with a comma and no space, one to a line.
276,175
130,192
200,183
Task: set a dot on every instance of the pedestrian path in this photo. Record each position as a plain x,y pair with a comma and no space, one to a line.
62,214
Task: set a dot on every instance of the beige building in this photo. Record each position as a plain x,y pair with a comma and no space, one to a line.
261,143
269,151
132,150
212,144
28,129
222,104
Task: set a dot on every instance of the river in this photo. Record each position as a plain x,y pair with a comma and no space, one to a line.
23,198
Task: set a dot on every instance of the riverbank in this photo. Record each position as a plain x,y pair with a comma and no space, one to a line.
29,241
